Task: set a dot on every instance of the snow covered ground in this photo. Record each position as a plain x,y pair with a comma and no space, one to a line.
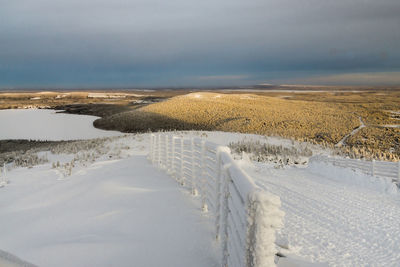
118,212
333,216
328,219
123,212
45,124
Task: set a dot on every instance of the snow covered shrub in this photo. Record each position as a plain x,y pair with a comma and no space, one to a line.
86,152
364,152
29,159
263,152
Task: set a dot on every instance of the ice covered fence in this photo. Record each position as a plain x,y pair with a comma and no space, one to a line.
246,217
3,174
384,169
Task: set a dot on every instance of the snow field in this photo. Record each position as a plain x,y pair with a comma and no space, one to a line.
45,124
333,216
331,220
120,212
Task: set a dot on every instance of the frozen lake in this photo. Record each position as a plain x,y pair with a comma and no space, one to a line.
46,124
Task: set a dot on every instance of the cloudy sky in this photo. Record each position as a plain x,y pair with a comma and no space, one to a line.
152,43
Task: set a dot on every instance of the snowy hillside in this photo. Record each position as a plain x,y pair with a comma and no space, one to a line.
328,219
114,212
334,216
119,210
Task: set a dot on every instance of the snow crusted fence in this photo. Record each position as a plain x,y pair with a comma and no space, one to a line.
374,168
246,217
3,174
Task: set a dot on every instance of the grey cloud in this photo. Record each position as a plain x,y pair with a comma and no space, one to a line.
185,37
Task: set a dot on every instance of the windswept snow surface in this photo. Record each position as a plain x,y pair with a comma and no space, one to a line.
334,215
119,212
46,124
127,213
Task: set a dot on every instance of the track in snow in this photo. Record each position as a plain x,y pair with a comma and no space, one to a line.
334,222
343,141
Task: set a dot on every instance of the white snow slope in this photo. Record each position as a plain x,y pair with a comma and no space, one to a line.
333,216
113,213
330,219
127,213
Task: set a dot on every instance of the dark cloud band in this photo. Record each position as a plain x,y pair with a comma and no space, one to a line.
156,42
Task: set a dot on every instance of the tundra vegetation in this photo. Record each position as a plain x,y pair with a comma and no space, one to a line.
31,153
98,103
322,116
278,154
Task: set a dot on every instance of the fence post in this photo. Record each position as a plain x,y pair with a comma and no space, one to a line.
203,177
182,178
373,167
398,172
159,150
218,195
154,149
166,153
151,148
4,172
261,229
173,157
225,214
193,182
